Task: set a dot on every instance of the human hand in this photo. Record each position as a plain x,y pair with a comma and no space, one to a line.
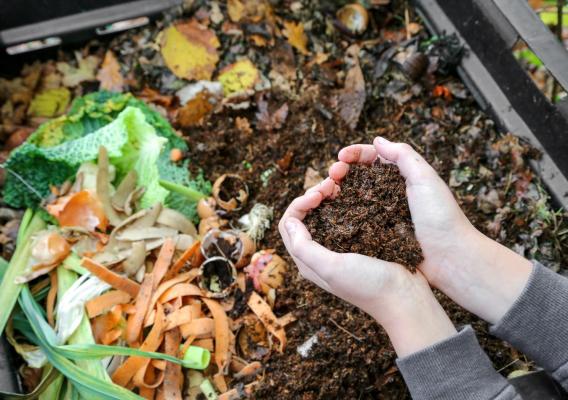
475,271
400,301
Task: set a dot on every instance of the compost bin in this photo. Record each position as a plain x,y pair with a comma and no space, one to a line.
253,100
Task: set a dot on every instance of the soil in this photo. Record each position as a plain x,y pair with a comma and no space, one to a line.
370,216
353,358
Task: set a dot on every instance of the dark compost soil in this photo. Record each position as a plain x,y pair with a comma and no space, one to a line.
353,358
370,216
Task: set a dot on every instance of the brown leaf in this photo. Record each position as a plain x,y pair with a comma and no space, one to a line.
153,96
279,116
284,162
283,60
294,31
109,74
352,97
268,122
195,110
243,125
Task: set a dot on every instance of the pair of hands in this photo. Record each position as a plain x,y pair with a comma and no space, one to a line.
476,272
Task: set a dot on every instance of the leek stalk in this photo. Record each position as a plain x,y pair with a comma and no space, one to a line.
9,290
191,194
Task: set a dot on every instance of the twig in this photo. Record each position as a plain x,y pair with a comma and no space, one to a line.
508,365
345,330
407,22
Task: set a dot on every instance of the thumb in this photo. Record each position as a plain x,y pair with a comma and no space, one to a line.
411,164
297,232
311,254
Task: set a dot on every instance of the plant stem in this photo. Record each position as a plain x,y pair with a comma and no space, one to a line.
191,194
9,291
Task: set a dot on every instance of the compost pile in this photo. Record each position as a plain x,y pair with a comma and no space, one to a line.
370,216
257,97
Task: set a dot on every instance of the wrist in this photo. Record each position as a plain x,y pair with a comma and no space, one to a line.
415,321
488,279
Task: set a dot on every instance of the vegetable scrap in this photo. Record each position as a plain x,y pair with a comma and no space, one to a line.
128,278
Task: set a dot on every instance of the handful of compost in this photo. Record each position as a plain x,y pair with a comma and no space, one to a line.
370,216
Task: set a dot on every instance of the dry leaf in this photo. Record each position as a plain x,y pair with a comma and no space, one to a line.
109,74
268,122
283,60
294,31
153,96
195,110
243,125
239,77
311,178
189,50
85,71
235,9
352,97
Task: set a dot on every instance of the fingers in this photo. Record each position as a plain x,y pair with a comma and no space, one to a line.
303,204
358,154
325,188
338,171
312,255
411,164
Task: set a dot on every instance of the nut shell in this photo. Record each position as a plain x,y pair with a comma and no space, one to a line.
247,251
226,277
353,18
230,191
239,246
206,208
205,225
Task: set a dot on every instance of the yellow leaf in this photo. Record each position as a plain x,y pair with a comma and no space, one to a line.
190,50
235,9
296,36
238,77
109,75
50,103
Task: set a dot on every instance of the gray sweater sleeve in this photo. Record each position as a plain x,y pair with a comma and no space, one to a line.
455,368
537,322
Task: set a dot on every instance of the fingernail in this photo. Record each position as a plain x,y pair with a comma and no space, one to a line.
290,227
381,140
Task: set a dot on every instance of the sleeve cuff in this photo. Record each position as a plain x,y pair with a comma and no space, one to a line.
453,368
536,323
